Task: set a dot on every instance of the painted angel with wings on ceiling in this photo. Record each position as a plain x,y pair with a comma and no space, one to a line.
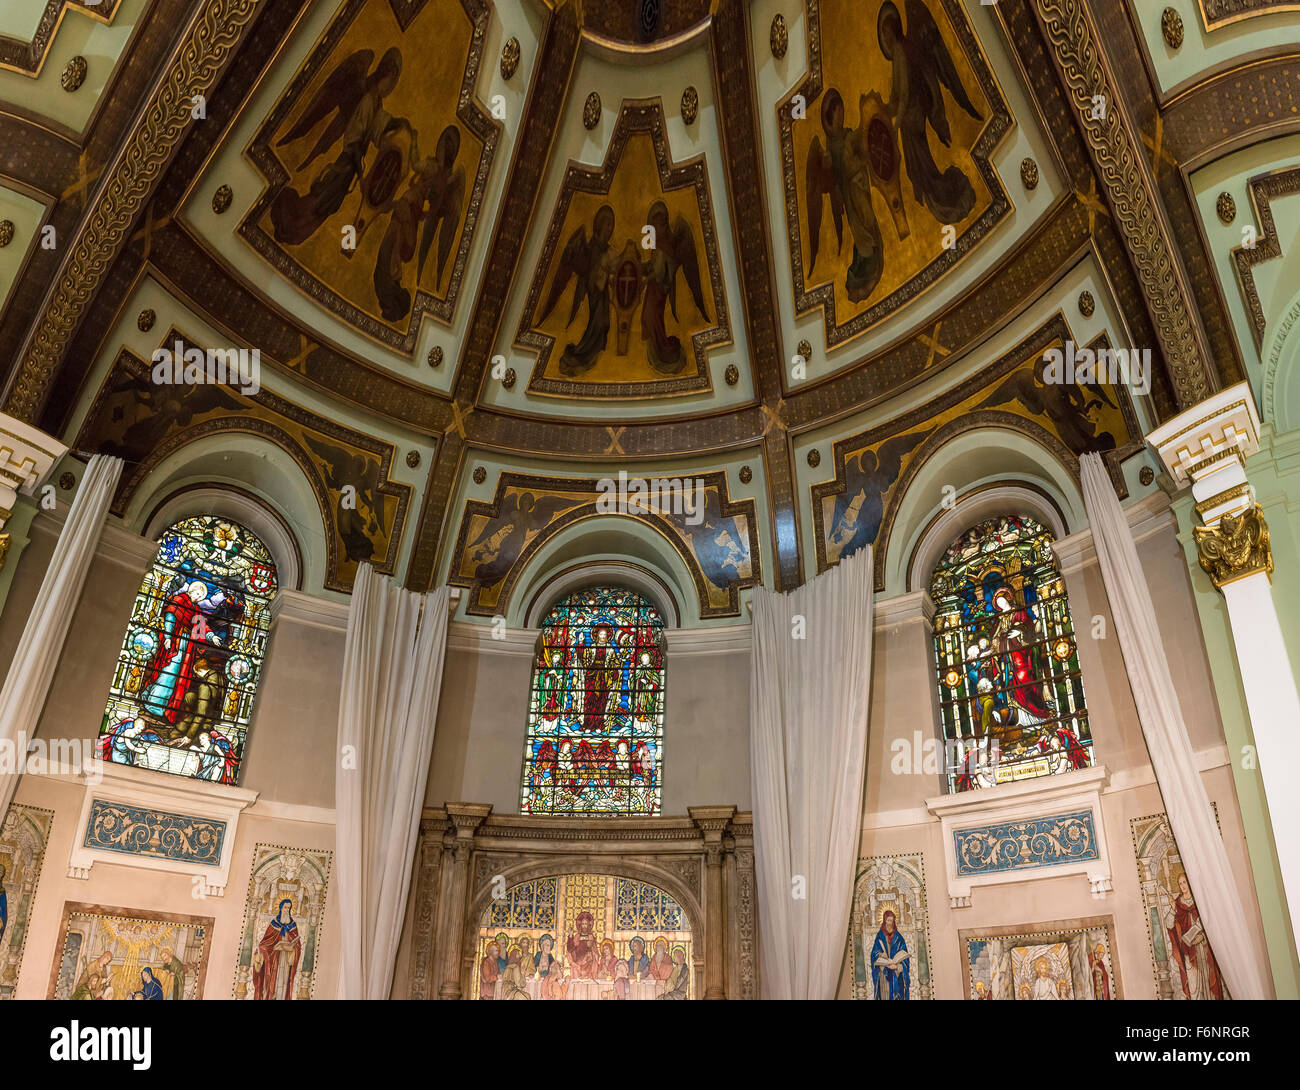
589,262
923,67
361,512
497,546
673,252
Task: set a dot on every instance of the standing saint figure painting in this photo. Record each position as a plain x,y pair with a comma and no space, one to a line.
890,960
191,659
275,961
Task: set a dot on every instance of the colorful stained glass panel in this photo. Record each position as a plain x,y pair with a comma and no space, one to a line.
1010,694
595,718
182,694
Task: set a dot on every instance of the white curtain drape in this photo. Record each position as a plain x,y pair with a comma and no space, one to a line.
1191,817
809,690
392,675
28,682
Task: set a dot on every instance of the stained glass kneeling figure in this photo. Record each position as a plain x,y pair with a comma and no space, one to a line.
595,724
187,674
1010,693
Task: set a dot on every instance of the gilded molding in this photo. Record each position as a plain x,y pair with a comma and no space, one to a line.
1236,547
1263,190
1117,158
127,186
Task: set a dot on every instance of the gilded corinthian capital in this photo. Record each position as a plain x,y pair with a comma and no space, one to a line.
1235,547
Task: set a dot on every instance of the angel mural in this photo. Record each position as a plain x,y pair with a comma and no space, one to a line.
922,68
1076,415
378,156
889,136
361,510
498,544
859,508
623,281
588,262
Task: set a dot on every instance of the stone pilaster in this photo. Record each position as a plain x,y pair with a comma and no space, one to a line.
712,822
463,821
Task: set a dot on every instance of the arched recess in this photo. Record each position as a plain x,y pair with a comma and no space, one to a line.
1280,403
597,542
618,866
219,474
960,461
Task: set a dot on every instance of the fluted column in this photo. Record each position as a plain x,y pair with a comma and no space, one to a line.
458,843
1206,448
712,822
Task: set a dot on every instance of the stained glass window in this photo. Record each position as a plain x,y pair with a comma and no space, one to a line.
596,713
584,936
183,691
1010,694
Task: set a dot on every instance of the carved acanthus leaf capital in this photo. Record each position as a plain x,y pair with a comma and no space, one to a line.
1237,546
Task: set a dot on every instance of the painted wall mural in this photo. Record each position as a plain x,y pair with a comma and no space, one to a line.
283,920
377,157
23,838
1181,957
718,541
1063,959
143,422
890,929
584,936
627,297
873,468
888,183
128,953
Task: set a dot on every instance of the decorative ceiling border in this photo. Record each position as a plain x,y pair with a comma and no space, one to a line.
1263,190
1219,13
1054,329
263,156
29,57
589,486
1118,159
636,117
130,365
193,70
998,125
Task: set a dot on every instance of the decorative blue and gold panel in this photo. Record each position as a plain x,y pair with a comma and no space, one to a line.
135,830
1026,845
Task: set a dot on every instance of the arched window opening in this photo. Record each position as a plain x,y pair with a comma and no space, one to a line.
187,675
596,711
1010,694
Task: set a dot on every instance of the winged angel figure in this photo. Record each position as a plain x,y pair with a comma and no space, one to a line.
604,279
420,196
360,513
855,160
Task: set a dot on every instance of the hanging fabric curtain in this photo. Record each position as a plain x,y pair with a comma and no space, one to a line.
809,689
1191,818
28,681
392,675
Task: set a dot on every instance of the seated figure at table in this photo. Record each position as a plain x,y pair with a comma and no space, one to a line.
679,982
556,984
661,965
544,959
488,973
638,964
607,960
513,985
584,955
622,987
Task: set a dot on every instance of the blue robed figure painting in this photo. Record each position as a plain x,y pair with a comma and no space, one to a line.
890,960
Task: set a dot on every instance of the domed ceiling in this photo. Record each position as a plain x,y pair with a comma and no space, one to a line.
494,252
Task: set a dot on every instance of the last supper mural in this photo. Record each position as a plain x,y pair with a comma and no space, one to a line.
584,936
